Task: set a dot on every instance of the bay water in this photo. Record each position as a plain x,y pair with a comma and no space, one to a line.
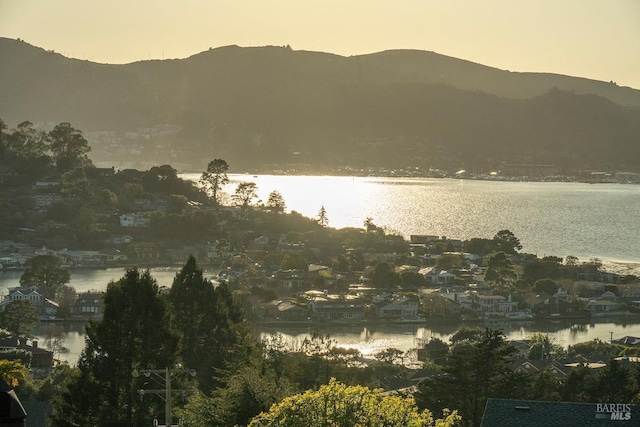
550,218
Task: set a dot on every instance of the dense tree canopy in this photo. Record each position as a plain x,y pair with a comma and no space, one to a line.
133,335
19,318
70,149
349,406
47,273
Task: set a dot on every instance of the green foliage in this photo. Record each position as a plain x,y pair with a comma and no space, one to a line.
449,261
476,368
536,269
545,286
209,321
348,406
507,242
500,272
323,219
294,261
276,201
245,194
595,350
19,317
542,346
384,276
134,334
214,178
12,372
47,273
69,148
480,246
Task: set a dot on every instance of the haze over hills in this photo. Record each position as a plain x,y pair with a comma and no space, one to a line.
270,108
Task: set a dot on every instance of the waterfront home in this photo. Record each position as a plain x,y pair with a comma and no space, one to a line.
283,311
602,306
88,305
45,307
335,308
393,307
496,304
435,304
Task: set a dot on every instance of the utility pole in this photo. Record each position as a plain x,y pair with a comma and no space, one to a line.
165,375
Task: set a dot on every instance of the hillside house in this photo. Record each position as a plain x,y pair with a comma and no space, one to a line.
436,276
135,220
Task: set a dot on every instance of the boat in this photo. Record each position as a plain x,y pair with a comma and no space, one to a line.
409,320
520,315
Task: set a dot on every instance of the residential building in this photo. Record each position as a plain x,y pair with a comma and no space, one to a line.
135,220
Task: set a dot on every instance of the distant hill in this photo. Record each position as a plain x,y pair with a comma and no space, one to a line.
272,107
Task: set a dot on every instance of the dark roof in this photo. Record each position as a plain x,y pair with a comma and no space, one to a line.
530,413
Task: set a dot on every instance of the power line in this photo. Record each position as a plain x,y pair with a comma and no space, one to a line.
166,376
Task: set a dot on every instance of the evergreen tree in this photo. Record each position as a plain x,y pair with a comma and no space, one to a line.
209,322
476,368
133,335
214,178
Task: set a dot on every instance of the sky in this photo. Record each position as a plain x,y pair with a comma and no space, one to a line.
596,39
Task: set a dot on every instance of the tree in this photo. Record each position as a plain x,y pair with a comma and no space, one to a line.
276,201
208,320
545,286
384,276
12,372
336,404
294,261
323,220
54,339
389,355
507,242
370,226
245,193
475,369
500,272
541,347
214,178
27,149
19,317
46,272
69,147
134,334
26,142
449,261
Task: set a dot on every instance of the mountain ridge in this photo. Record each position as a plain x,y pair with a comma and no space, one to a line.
273,105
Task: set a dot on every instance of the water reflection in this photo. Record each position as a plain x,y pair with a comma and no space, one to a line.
369,339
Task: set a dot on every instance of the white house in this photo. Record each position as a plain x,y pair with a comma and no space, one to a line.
437,276
135,220
398,308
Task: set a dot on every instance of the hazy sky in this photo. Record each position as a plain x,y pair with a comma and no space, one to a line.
598,39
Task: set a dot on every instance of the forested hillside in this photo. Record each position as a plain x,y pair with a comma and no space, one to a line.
268,108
